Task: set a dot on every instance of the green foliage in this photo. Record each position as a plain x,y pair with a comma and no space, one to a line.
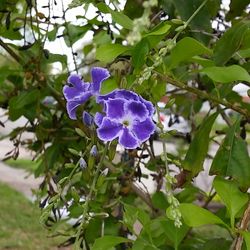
232,157
230,42
231,196
108,242
195,216
185,49
197,151
190,60
227,74
108,52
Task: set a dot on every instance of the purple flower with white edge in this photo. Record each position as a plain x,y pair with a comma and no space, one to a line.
79,92
128,117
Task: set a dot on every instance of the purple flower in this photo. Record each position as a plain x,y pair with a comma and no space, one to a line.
79,91
128,117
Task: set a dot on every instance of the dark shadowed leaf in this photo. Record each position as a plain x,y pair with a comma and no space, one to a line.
232,158
197,151
139,53
230,42
200,22
236,8
108,242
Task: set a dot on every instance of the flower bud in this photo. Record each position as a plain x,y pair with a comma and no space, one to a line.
93,151
105,172
87,119
82,163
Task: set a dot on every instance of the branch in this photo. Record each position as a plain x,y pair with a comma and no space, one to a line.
10,51
143,195
205,95
244,224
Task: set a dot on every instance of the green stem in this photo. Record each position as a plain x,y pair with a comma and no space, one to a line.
204,95
91,191
163,142
195,13
190,19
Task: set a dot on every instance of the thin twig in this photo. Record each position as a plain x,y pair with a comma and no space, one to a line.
244,224
10,51
204,95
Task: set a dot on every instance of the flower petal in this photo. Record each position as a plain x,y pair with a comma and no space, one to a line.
143,130
102,98
149,105
115,108
109,130
71,109
70,93
98,76
127,140
98,119
72,104
137,110
126,94
75,80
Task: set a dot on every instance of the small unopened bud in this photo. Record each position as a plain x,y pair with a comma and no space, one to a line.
93,151
82,163
105,172
87,119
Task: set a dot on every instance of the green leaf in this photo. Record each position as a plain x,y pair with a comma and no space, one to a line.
117,16
245,53
159,231
57,58
185,49
195,216
161,29
139,53
159,200
107,242
202,61
142,244
246,236
201,21
232,157
231,196
133,214
52,34
198,148
24,98
73,33
108,52
230,42
227,74
173,233
108,86
24,104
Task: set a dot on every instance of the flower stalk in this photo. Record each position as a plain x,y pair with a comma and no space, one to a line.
89,197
